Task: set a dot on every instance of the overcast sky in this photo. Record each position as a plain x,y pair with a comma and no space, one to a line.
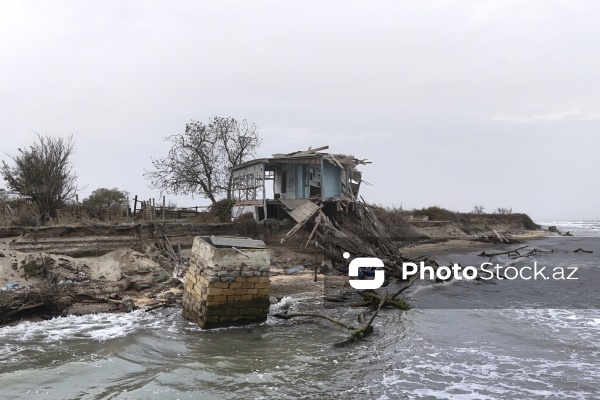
457,103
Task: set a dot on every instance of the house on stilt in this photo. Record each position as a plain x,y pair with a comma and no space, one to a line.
296,184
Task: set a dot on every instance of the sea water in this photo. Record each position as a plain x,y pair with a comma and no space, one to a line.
454,344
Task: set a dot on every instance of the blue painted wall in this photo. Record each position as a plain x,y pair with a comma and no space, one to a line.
332,186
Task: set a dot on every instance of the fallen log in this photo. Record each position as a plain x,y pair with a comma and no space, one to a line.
328,318
384,301
582,250
484,254
368,328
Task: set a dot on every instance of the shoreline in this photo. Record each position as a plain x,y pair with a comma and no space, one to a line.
282,284
462,245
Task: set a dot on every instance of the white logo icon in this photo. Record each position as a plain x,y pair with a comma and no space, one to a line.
365,262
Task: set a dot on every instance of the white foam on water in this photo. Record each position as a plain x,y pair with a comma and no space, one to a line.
103,326
285,303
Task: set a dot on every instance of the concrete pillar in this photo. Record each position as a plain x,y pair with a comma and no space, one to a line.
223,287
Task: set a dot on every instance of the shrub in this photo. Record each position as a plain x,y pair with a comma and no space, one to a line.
246,225
395,222
437,213
222,210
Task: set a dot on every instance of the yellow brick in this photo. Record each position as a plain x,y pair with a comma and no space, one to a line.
252,291
253,279
241,279
246,297
263,292
220,298
228,292
213,304
221,285
240,292
248,285
214,291
262,286
263,279
230,298
210,298
237,298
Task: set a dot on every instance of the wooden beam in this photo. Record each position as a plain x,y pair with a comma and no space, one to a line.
299,225
318,148
314,229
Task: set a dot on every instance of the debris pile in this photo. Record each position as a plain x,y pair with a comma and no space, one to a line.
350,227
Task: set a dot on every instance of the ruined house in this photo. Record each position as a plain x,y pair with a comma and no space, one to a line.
294,183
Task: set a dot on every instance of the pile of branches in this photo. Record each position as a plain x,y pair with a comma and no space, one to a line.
494,236
370,298
360,234
47,300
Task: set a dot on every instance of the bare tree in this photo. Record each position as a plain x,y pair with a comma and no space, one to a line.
478,210
43,173
200,160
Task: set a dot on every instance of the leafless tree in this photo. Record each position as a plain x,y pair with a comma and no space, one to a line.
43,173
200,160
478,210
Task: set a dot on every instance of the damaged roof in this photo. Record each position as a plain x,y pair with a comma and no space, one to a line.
337,159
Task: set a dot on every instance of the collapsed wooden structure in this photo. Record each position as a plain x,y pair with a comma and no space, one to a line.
319,192
265,186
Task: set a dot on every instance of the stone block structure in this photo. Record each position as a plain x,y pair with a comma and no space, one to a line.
227,283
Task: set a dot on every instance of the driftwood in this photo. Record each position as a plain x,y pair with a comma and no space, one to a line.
494,237
355,230
164,304
484,254
368,328
311,315
358,333
582,250
383,301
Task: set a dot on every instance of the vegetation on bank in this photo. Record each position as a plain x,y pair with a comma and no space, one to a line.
43,179
400,223
43,184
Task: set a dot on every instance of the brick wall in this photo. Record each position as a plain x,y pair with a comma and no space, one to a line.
223,287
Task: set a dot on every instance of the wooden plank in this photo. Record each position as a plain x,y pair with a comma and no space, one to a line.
312,233
243,243
336,161
301,212
292,204
298,226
